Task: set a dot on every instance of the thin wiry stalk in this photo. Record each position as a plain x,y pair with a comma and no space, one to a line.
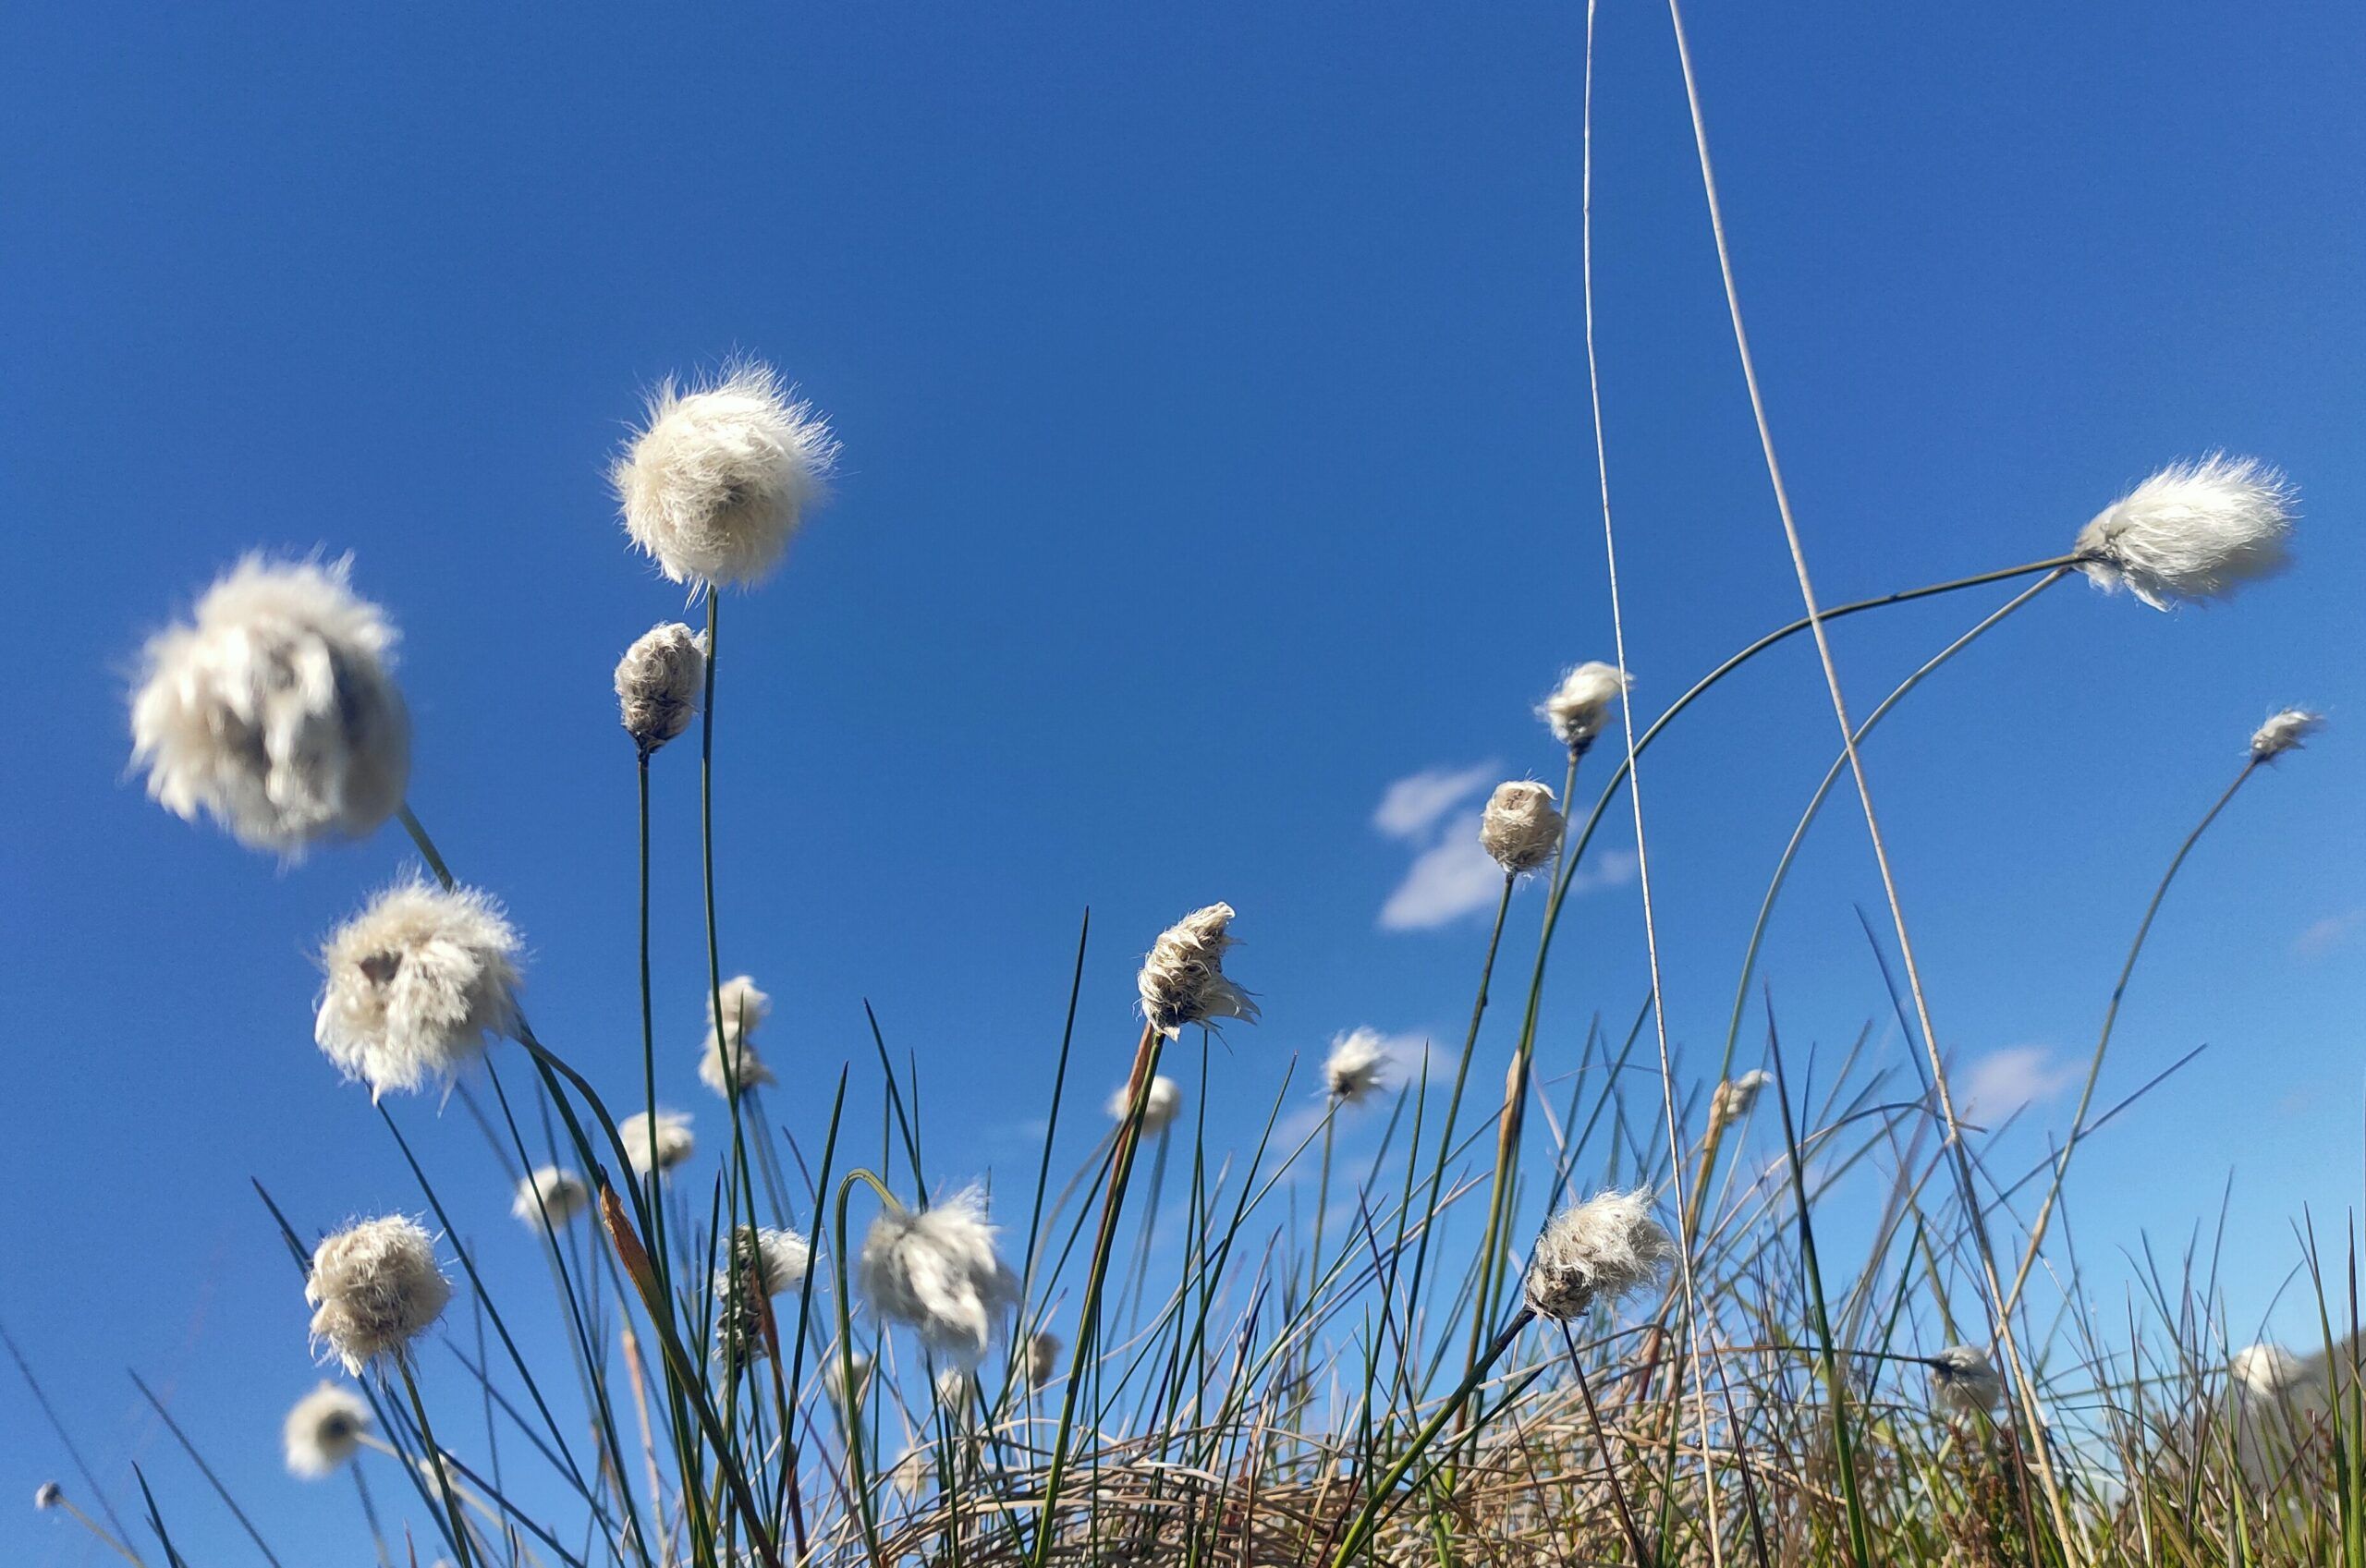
204,1469
2000,1320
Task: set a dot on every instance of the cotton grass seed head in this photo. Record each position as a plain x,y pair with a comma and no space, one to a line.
835,1380
49,1495
1043,1357
953,1390
2262,1373
2192,532
672,1141
324,1431
1356,1068
1159,1106
729,1058
416,984
936,1270
659,682
373,1288
2284,732
719,479
1521,829
1736,1097
549,1193
912,1474
1598,1251
1183,982
1579,706
274,710
1964,1381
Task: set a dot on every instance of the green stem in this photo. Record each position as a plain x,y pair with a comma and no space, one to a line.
459,1524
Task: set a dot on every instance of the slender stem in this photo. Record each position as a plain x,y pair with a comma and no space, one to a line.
2111,1019
1609,1461
435,1457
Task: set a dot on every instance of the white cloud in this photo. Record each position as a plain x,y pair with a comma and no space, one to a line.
1412,805
2329,935
2005,1081
1612,867
1447,880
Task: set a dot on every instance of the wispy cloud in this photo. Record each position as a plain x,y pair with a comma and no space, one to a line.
2005,1081
1450,879
2329,935
1412,805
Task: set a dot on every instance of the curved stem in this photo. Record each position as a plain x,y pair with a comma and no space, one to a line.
2111,1018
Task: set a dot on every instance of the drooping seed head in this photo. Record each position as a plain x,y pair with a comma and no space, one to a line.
275,710
718,479
729,1057
48,1495
659,682
656,1145
1182,980
1736,1097
936,1270
2262,1373
1965,1381
1356,1068
2284,732
550,1195
2192,532
373,1288
1598,1251
1043,1357
415,985
1159,1105
324,1431
1520,828
1579,706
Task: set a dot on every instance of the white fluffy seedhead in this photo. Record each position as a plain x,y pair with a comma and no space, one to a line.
2284,732
1964,1381
953,1391
910,1478
1736,1097
373,1288
936,1270
1520,828
659,682
718,479
415,986
273,711
729,1058
834,1380
672,1143
1598,1251
1159,1106
2192,532
549,1193
1182,980
325,1429
1356,1068
783,1257
1579,706
2262,1373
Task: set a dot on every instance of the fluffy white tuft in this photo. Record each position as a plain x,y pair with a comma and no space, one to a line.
953,1391
2192,532
1964,1381
48,1495
1182,980
1598,1251
1159,1106
659,682
416,984
785,1256
1358,1066
273,711
1579,706
730,1051
325,1429
937,1270
1520,828
835,1382
912,1474
718,479
2284,732
1736,1097
672,1141
2263,1373
373,1288
553,1193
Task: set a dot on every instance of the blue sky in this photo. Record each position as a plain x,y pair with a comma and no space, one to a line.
1217,458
